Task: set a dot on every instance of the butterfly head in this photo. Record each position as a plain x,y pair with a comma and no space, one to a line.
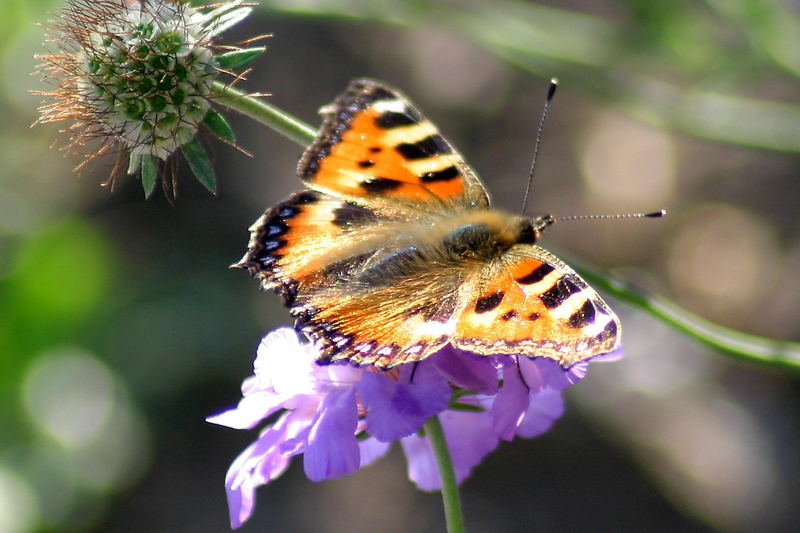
531,228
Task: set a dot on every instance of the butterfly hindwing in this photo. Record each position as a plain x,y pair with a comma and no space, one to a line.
376,146
383,326
530,303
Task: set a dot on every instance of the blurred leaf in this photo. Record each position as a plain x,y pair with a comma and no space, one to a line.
199,162
239,59
226,16
390,11
769,26
626,65
466,407
61,272
149,174
58,280
219,126
134,163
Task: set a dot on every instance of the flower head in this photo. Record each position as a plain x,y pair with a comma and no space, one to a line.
341,418
138,77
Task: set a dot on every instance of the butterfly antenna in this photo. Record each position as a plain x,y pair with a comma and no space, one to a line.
551,91
655,214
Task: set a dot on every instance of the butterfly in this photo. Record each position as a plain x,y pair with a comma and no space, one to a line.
393,251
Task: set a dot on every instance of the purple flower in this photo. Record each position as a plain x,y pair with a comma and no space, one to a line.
341,418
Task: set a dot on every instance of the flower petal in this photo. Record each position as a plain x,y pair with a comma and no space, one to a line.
510,404
332,449
251,410
284,363
466,369
258,464
399,408
372,450
544,409
540,373
469,438
422,469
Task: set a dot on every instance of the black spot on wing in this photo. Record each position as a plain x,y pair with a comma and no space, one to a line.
390,119
610,331
489,302
374,93
380,185
583,316
427,147
560,291
366,163
509,315
533,316
536,275
446,174
350,214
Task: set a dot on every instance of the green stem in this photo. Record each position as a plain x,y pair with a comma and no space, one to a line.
751,348
765,351
450,498
267,114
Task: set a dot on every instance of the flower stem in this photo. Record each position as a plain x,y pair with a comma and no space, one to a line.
752,348
267,114
450,498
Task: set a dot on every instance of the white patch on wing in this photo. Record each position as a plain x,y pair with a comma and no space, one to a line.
601,320
410,134
394,106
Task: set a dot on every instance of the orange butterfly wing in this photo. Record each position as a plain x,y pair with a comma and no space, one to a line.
328,260
375,146
530,303
383,326
357,260
298,243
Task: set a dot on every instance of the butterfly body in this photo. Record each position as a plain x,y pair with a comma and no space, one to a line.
394,251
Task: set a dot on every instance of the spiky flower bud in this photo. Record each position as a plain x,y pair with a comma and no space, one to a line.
147,73
137,76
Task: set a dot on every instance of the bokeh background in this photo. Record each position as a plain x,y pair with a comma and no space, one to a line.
121,327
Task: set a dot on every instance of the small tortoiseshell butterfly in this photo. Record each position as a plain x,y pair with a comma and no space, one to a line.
393,250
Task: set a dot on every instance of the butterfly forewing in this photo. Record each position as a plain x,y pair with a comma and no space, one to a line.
294,244
375,146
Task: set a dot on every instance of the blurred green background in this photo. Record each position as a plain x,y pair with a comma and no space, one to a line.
121,327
